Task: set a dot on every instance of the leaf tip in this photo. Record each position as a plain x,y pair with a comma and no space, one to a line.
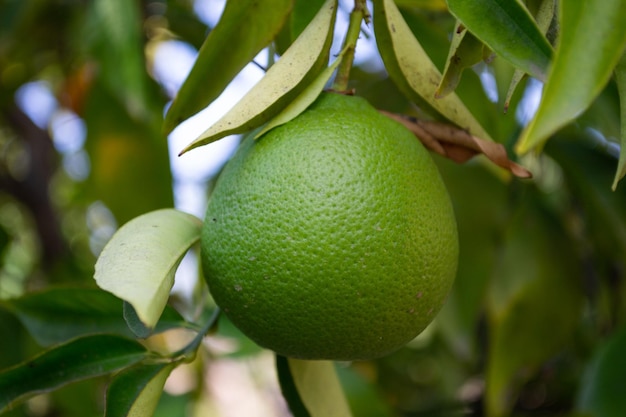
189,147
616,181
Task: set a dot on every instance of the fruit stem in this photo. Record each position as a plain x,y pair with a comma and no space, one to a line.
188,353
358,14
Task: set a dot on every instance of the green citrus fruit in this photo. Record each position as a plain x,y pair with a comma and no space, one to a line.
332,236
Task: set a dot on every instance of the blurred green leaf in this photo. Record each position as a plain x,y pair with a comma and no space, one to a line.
602,386
302,13
242,346
11,11
479,224
76,360
116,35
185,23
535,268
13,340
603,210
436,5
130,171
319,388
590,43
56,315
620,77
245,27
293,72
509,30
603,115
412,70
175,405
363,396
135,392
139,262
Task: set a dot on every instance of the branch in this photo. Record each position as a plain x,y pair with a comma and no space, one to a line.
33,189
458,144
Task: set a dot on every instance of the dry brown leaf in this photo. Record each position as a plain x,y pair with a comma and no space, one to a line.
458,144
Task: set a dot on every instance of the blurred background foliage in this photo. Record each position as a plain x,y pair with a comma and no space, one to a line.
535,322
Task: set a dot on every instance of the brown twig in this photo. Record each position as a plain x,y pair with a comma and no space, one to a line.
457,144
33,189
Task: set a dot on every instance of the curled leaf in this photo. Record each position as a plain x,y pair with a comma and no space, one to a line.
304,100
250,25
300,64
139,262
412,70
458,144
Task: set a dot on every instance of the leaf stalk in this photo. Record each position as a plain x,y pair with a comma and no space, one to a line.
188,353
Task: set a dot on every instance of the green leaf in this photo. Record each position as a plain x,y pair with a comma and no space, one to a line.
509,30
465,52
302,13
363,394
169,319
601,210
434,5
128,157
134,323
620,77
602,386
13,347
470,186
319,388
304,100
248,24
535,268
412,71
299,65
116,34
135,392
589,46
434,36
76,360
139,262
545,15
56,315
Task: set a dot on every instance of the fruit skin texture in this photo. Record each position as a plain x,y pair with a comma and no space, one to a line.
332,236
